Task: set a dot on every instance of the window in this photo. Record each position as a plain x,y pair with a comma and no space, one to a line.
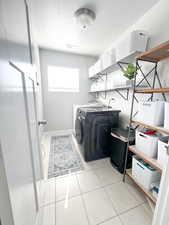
63,79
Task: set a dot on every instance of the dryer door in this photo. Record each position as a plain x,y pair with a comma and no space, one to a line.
79,130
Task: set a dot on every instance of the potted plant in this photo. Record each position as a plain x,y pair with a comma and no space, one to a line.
129,71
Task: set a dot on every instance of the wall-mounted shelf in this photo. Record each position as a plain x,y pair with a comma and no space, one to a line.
151,161
112,89
156,54
117,90
146,192
160,129
126,60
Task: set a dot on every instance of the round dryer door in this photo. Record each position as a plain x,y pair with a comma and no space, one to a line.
79,130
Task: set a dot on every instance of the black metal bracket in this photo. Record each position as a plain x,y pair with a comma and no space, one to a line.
125,97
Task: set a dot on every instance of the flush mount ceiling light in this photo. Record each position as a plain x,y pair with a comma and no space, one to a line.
85,17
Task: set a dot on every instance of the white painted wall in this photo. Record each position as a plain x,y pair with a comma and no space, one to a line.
58,106
155,22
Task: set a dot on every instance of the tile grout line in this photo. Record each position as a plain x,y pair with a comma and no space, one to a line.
82,193
95,189
127,186
83,202
119,214
106,220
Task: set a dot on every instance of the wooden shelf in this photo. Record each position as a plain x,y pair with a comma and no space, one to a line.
156,54
146,192
160,129
149,91
151,161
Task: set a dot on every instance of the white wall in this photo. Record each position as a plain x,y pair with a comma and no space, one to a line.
58,106
155,22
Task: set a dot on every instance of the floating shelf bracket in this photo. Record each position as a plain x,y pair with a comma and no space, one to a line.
125,97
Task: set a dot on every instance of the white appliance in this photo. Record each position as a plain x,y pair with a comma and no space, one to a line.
144,173
148,144
132,42
163,146
151,113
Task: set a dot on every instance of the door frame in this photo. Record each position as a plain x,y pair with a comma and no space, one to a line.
161,215
29,132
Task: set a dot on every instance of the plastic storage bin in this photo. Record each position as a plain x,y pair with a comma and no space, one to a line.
151,113
162,156
108,58
148,144
134,41
144,173
166,116
97,67
91,71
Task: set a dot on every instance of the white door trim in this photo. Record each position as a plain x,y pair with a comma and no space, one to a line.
161,215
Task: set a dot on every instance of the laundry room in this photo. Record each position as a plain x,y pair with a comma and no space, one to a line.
84,112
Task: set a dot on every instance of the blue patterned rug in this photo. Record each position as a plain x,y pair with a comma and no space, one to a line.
63,157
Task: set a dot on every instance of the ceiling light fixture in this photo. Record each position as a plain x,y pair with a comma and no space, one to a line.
85,17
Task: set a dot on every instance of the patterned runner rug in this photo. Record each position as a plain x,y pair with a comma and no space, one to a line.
63,157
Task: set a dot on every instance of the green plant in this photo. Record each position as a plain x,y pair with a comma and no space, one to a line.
129,71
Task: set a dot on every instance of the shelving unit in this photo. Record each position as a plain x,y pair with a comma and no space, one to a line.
153,55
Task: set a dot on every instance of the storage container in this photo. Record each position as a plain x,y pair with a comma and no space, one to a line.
108,58
97,67
162,156
151,113
144,173
148,144
155,187
166,116
132,42
91,71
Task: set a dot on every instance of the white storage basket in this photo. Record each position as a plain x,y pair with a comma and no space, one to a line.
166,116
144,173
151,113
132,42
163,145
108,58
97,67
148,144
91,71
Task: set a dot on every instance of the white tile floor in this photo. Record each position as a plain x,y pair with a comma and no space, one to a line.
95,196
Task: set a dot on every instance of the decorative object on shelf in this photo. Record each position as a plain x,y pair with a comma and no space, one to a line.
129,71
133,41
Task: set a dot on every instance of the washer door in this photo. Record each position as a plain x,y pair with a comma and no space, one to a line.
79,130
